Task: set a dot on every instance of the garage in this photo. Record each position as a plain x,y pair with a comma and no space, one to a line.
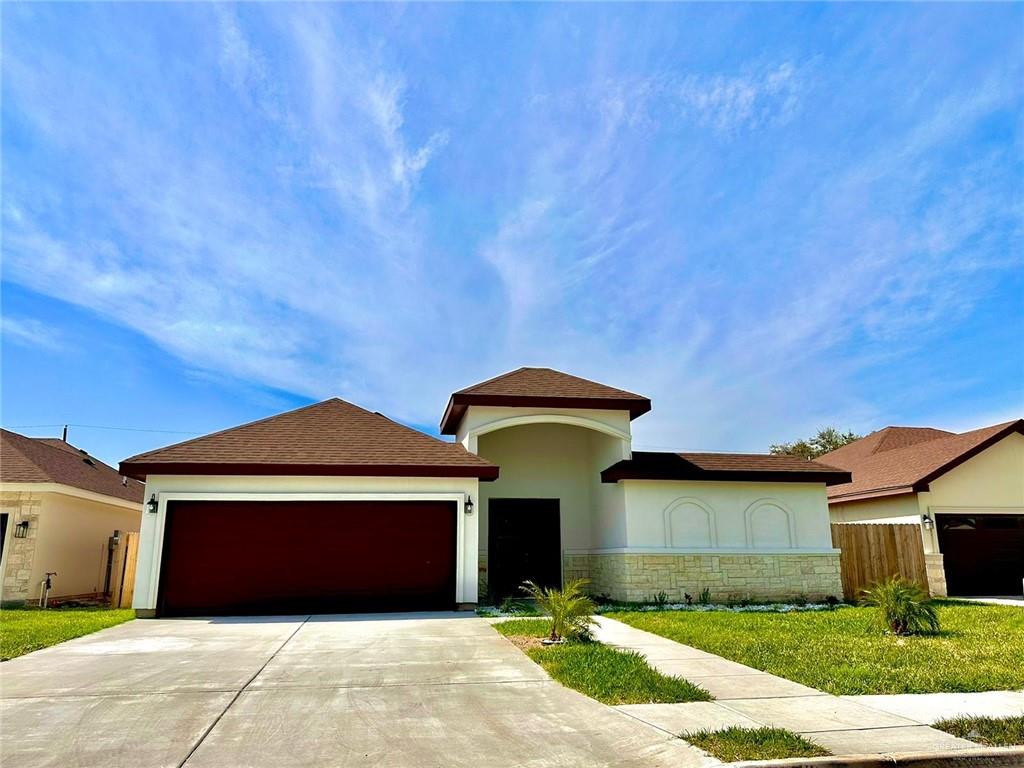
983,554
287,557
328,508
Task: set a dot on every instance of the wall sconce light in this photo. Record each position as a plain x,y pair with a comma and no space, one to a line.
152,504
468,506
21,530
927,521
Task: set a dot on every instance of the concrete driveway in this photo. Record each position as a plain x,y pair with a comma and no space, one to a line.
412,690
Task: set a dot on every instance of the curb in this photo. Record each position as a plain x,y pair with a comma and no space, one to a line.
984,757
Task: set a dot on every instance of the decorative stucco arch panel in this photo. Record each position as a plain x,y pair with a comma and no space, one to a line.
690,522
548,418
770,524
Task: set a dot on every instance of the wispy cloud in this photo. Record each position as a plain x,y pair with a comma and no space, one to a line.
383,205
29,332
726,103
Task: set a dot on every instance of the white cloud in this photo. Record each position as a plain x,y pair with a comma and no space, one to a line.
30,333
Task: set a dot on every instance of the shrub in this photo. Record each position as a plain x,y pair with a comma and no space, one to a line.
570,608
704,598
518,607
903,607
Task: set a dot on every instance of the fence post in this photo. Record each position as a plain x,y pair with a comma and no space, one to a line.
122,578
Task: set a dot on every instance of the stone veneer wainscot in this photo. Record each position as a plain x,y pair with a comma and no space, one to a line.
18,558
734,576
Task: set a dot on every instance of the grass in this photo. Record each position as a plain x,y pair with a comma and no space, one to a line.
599,671
990,731
23,630
524,627
732,744
978,649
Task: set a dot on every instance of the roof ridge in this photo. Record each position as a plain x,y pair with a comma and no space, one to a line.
238,426
500,376
417,431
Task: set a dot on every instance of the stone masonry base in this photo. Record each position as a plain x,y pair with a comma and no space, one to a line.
936,573
16,586
728,577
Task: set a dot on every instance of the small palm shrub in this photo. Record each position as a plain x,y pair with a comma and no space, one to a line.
903,607
570,608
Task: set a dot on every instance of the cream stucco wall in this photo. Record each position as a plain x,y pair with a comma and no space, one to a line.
726,516
73,540
610,531
557,461
69,534
990,483
993,478
886,509
480,418
170,487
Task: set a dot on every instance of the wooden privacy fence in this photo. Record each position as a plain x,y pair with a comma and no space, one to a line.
872,553
122,573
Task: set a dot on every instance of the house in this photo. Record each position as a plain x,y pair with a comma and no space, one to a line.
331,507
59,508
965,491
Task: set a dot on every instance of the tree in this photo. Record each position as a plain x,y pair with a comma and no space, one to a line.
827,439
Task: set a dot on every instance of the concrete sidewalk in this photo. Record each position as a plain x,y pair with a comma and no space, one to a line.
932,707
749,698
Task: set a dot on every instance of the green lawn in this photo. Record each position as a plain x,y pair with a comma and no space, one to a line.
23,630
732,744
601,672
990,731
524,627
979,648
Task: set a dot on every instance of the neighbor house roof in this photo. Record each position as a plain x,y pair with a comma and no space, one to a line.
51,460
898,460
750,467
541,388
329,438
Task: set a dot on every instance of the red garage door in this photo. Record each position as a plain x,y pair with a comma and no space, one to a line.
286,557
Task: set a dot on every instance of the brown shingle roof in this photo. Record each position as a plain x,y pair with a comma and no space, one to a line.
50,460
328,438
754,467
541,388
906,459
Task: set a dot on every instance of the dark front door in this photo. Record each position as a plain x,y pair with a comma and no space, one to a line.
524,543
286,557
982,554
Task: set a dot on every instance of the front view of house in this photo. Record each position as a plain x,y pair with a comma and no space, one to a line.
332,508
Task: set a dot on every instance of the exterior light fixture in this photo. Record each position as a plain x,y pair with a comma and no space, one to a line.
21,530
152,504
469,505
927,521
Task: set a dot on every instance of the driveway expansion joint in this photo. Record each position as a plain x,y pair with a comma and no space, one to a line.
239,692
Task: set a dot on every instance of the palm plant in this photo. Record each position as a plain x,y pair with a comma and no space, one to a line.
570,608
903,607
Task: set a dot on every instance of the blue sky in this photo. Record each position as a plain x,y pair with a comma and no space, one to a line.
767,218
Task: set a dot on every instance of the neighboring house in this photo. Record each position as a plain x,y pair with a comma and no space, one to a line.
59,507
331,507
966,491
